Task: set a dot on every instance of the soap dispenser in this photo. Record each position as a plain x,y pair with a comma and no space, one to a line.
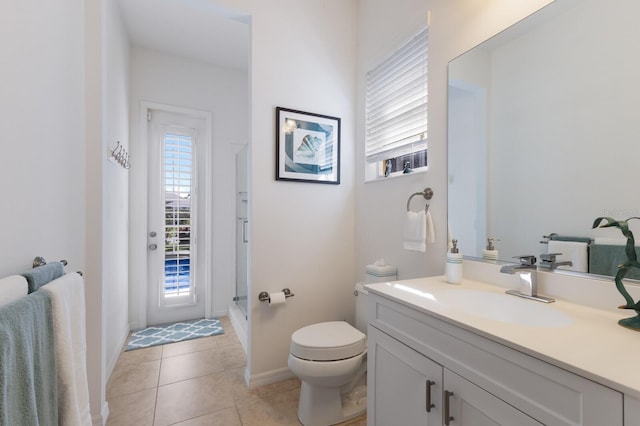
490,253
454,264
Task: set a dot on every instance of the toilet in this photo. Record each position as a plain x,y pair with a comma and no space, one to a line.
330,360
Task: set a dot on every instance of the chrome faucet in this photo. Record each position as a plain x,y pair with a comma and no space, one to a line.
548,260
526,271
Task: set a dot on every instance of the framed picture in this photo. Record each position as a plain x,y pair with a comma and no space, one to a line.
307,147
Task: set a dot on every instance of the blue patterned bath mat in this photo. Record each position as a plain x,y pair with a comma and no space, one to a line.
175,332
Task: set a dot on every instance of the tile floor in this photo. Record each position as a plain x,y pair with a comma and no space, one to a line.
198,383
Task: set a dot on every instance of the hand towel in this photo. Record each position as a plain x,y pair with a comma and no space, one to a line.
415,231
604,260
67,296
430,231
574,251
37,277
12,288
27,362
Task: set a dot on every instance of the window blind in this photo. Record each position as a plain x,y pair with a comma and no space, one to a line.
396,102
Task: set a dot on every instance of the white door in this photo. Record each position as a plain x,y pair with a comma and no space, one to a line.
175,266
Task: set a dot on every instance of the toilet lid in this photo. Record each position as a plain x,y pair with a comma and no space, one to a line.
328,341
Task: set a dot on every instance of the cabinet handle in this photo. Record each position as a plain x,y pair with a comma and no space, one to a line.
447,412
430,405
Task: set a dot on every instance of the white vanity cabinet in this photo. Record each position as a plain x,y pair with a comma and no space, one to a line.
473,379
407,388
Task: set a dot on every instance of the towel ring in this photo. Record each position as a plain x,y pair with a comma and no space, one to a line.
427,194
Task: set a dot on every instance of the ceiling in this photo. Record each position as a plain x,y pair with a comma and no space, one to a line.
193,29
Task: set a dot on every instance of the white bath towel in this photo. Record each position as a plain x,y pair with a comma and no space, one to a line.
430,231
12,288
67,297
415,231
574,251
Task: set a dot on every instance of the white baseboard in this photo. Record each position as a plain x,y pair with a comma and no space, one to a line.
101,419
239,323
273,376
111,363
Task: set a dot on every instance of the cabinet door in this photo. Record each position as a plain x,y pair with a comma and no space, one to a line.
470,405
404,387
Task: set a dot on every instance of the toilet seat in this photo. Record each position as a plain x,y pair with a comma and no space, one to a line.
328,341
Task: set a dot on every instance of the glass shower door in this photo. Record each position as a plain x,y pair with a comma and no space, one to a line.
242,230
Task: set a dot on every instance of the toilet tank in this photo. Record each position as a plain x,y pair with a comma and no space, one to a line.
361,307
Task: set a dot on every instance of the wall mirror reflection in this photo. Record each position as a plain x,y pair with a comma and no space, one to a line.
544,133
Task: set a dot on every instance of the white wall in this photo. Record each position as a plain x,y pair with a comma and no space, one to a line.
42,127
51,161
302,234
116,188
455,27
165,79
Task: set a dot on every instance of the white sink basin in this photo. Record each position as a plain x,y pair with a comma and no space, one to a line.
503,307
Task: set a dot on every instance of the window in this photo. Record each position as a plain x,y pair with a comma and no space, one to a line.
178,183
396,111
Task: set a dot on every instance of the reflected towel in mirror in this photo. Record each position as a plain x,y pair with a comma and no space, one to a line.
574,251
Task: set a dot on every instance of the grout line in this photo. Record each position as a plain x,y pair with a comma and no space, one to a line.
155,403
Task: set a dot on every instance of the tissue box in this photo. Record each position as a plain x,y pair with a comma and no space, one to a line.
380,273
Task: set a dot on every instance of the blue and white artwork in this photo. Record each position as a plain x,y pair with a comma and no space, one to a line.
308,147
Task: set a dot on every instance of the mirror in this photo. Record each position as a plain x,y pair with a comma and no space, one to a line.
544,129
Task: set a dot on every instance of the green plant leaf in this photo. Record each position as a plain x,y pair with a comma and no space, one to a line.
630,251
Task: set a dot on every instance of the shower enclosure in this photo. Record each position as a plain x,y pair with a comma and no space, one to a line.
242,230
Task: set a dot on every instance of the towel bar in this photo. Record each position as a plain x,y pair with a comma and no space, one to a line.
427,194
39,261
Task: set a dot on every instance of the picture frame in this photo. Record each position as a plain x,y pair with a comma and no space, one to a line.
307,147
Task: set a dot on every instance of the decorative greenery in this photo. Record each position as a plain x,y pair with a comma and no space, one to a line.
632,262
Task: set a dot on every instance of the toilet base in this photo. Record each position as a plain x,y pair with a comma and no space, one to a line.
320,406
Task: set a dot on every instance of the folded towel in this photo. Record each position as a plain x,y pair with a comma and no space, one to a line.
27,362
12,288
415,231
605,258
430,234
37,277
67,296
576,252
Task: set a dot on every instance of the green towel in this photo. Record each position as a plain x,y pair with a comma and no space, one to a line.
37,277
604,260
28,384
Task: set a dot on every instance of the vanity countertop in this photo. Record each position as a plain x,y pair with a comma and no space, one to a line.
583,340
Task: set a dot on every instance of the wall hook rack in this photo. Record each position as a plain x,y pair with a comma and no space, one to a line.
119,155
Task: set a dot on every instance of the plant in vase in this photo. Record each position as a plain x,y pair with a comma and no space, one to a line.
632,262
